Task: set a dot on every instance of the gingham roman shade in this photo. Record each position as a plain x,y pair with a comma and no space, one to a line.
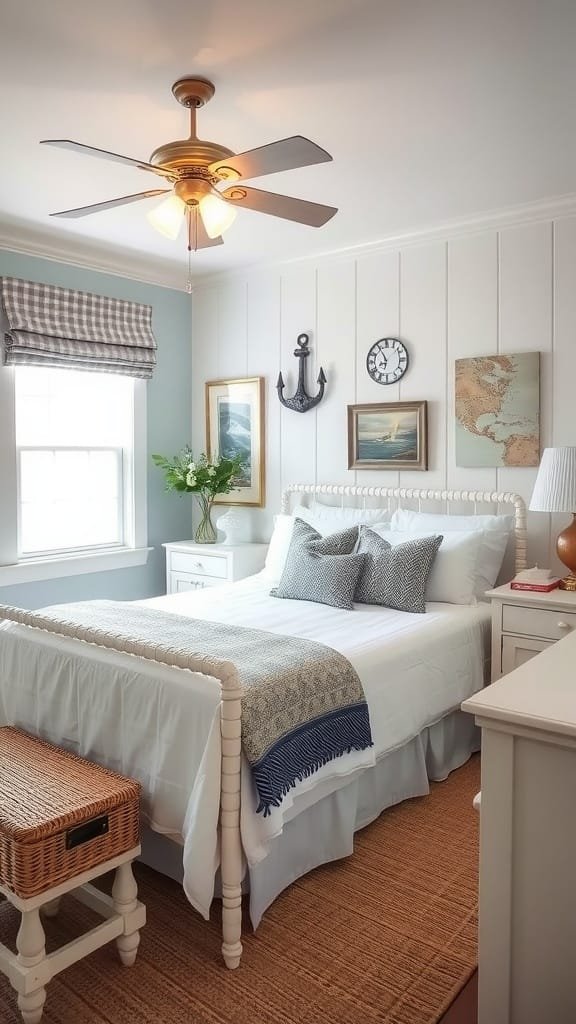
50,326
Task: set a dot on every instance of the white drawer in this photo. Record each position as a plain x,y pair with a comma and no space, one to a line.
200,565
550,625
517,650
180,581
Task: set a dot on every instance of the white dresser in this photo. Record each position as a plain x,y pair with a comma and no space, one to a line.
527,930
525,622
190,566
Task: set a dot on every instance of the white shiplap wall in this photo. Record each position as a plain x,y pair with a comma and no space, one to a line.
508,290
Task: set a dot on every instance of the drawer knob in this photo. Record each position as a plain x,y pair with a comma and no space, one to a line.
198,565
563,625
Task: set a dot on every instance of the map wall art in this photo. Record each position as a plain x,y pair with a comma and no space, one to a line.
497,405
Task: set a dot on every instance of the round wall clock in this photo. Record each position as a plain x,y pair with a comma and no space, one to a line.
387,361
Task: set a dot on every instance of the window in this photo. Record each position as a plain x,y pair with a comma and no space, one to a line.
73,439
76,483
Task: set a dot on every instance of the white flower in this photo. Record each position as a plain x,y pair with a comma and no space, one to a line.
191,466
212,471
190,480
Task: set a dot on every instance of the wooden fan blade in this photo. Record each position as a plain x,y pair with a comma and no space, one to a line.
84,211
287,207
277,156
197,237
103,154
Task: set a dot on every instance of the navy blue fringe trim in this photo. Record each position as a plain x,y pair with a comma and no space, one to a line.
304,750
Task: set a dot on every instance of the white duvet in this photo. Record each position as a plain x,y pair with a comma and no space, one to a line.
161,725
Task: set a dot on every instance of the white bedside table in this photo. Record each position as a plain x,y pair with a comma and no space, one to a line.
525,622
190,566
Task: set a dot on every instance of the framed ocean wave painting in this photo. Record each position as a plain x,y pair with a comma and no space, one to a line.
388,435
235,426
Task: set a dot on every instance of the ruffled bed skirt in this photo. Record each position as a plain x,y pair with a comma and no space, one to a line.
325,831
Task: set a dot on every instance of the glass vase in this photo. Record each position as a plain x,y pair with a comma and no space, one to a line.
205,532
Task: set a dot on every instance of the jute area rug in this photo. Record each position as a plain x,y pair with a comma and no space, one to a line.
387,936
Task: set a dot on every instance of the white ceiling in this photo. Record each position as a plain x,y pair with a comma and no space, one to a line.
432,110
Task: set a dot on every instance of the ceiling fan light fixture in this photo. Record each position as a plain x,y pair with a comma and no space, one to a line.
168,216
217,216
194,170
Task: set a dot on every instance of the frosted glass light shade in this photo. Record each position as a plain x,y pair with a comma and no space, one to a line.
168,217
217,216
555,487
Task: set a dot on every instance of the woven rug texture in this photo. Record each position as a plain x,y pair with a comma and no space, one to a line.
387,936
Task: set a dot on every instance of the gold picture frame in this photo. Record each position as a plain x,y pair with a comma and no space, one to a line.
388,435
235,424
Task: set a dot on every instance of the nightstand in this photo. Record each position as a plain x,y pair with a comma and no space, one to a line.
190,566
525,622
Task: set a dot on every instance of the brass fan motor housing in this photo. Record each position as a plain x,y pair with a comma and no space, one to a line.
186,156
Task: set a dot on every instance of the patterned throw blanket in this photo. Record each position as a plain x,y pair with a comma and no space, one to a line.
302,703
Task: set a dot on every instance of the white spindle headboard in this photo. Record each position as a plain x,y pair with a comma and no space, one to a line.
394,496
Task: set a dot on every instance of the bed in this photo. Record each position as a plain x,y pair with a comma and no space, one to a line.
178,730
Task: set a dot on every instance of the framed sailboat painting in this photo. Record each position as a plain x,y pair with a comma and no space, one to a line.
388,435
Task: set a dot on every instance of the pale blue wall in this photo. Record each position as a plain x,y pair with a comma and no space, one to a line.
169,426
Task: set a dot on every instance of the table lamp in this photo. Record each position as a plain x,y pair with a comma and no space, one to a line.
555,491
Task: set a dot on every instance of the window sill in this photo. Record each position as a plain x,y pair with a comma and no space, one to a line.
71,565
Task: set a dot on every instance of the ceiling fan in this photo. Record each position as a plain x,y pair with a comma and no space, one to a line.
194,168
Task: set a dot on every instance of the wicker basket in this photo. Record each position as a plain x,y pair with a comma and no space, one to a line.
59,814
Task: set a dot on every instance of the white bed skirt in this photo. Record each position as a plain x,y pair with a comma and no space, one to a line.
325,831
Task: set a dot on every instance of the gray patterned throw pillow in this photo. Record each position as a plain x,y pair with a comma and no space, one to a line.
395,577
320,568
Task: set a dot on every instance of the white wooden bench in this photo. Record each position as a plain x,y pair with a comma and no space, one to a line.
63,823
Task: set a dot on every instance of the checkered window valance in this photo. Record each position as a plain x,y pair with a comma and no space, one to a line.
50,326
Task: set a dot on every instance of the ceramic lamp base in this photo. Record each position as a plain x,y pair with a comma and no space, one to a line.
235,525
566,548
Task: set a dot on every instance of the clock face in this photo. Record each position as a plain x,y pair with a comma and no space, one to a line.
387,361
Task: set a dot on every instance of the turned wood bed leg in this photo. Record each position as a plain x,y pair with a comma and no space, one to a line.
230,841
31,952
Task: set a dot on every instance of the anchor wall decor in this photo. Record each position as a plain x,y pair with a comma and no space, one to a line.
301,401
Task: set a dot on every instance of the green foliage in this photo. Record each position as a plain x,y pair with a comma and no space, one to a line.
199,476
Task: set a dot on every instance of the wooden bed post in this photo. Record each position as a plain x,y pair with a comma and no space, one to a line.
231,859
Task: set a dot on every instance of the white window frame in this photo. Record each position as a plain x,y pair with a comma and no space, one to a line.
134,550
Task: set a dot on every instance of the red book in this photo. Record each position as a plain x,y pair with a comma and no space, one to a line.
540,588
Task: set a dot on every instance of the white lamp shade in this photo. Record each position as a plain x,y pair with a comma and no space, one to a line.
216,215
168,217
555,487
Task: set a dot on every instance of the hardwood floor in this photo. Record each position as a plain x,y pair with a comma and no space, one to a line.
464,1009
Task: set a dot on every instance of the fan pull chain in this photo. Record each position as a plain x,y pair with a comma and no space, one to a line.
190,214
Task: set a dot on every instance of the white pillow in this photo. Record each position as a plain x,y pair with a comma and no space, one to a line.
278,547
495,532
329,519
454,575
